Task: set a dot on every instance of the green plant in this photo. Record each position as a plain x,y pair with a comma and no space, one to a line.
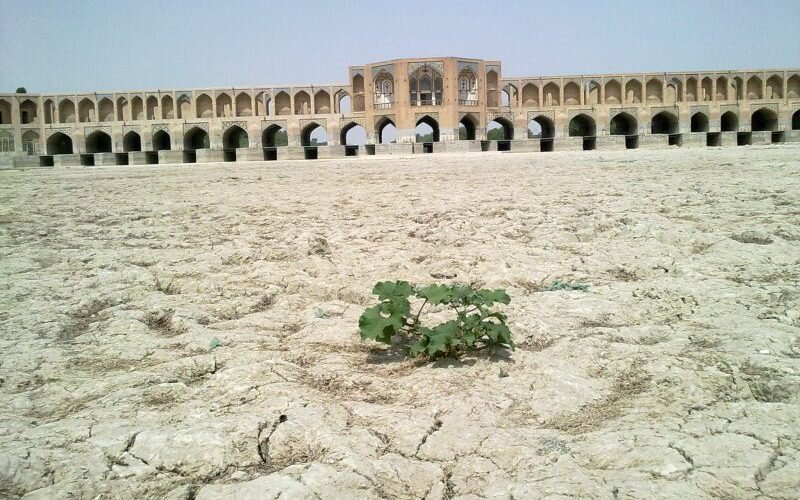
475,327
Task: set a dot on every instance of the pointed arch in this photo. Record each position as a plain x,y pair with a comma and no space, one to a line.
793,87
49,111
722,89
633,91
244,104
152,107
572,94
105,110
729,122
196,138
613,92
322,102
302,103
551,94
137,108
699,122
353,134
283,104
262,104
313,129
691,89
796,120
387,132
30,142
28,112
162,141
224,106
674,91
235,137
764,119
167,108
425,86
623,124
582,125
706,89
86,111
541,127
754,88
592,93
98,142
184,106
66,111
775,87
123,111
654,91
505,127
131,142
59,144
664,123
466,127
430,123
530,95
205,108
273,136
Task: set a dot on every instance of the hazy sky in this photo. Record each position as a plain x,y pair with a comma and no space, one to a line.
88,45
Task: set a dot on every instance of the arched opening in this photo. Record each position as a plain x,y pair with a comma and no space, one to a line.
244,104
625,125
544,129
235,137
314,135
167,108
729,122
674,91
131,142
530,95
302,103
664,123
384,90
152,107
551,94
387,132
505,98
774,87
764,120
499,129
655,91
706,89
427,130
98,142
592,93
49,111
66,111
123,111
793,87
358,92
27,112
613,92
105,110
274,136
205,108
353,134
262,104
691,89
633,91
344,103
283,104
30,142
86,111
196,138
322,102
184,106
754,88
6,142
162,141
59,144
722,89
492,89
582,126
224,106
796,120
425,86
572,94
467,88
137,108
699,122
512,95
466,128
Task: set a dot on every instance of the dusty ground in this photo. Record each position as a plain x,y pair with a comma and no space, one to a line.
185,332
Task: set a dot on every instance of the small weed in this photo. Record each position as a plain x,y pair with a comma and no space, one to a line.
167,288
566,286
163,322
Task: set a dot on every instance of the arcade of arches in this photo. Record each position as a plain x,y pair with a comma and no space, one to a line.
447,104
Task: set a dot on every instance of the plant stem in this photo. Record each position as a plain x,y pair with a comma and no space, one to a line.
416,318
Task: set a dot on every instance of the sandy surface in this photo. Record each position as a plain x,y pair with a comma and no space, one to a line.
184,332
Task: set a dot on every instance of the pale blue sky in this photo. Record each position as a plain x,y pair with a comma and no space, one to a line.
88,45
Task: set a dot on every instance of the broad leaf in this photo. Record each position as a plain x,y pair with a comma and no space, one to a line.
436,294
491,296
374,325
389,290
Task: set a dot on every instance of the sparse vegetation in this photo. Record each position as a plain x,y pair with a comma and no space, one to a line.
476,326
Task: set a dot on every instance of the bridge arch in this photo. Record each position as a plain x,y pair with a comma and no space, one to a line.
59,144
699,122
582,125
427,126
196,138
387,132
98,142
162,141
313,134
764,119
274,136
131,142
353,134
235,137
729,122
623,124
664,123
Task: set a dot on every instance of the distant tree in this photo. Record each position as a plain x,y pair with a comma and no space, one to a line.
281,138
425,138
21,90
496,134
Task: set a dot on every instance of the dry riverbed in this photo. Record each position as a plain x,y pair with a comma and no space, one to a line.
190,332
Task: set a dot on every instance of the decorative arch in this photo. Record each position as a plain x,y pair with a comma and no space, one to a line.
302,103
654,91
30,142
137,108
98,142
774,87
308,130
384,125
530,95
613,92
699,122
322,102
467,87
430,122
205,108
706,89
793,87
152,107
59,144
235,137
131,142
541,127
504,125
754,89
691,89
273,136
582,125
358,92
572,94
224,106
184,106
674,91
664,123
283,104
551,94
342,102
353,134
764,119
28,112
425,86
722,89
467,127
592,93
105,110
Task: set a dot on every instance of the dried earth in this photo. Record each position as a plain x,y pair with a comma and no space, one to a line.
190,332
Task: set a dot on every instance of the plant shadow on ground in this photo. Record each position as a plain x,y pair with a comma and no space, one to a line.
398,353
